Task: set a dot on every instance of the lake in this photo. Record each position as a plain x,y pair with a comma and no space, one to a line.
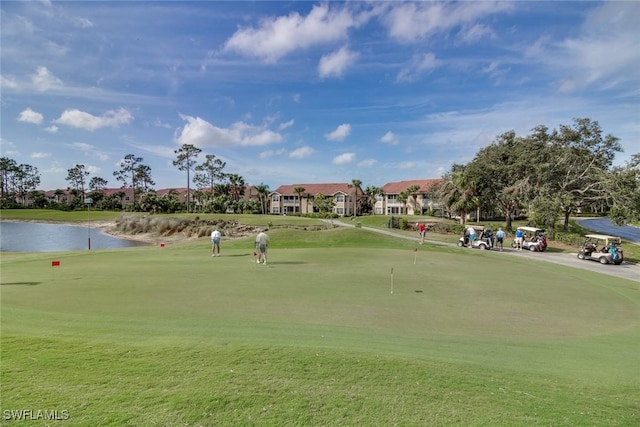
46,237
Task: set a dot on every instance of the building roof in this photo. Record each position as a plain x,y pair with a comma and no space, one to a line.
313,189
400,186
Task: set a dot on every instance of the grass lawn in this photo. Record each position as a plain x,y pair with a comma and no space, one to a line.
173,337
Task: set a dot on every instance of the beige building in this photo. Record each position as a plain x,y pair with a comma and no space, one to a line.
392,202
285,199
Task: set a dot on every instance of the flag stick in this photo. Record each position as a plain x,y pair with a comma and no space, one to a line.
391,279
415,255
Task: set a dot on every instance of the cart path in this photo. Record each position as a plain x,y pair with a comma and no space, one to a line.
626,270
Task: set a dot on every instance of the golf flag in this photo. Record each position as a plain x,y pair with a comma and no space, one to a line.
55,263
415,255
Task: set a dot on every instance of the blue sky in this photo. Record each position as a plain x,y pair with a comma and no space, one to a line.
307,92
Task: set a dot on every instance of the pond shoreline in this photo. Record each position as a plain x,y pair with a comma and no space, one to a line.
110,228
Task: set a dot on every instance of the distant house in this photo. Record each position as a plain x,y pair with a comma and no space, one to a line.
285,200
416,203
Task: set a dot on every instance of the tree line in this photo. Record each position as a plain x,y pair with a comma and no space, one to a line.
215,190
546,176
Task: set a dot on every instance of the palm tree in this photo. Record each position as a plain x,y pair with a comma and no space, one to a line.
299,190
413,192
355,184
402,198
263,193
458,192
236,183
372,192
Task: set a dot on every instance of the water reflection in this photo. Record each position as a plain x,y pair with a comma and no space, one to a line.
45,237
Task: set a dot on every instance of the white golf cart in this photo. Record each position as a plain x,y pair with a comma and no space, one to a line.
484,237
534,239
602,248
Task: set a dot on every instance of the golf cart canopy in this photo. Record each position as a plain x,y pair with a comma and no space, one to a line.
604,237
531,229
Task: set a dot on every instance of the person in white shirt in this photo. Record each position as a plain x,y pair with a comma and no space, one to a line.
262,245
216,236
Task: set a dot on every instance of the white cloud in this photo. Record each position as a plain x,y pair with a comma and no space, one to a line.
604,51
82,22
475,33
201,133
297,98
419,65
279,36
301,152
30,116
82,120
340,133
8,82
335,63
52,129
389,138
160,124
286,125
367,163
40,155
94,170
44,80
270,153
343,158
410,22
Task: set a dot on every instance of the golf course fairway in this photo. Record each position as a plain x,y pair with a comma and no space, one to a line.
341,327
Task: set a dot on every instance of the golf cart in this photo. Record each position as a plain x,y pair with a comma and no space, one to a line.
484,237
602,248
534,239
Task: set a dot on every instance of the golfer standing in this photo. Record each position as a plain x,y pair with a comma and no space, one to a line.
500,238
472,236
423,232
519,238
262,245
215,242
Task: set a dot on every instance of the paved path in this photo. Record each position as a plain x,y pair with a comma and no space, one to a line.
604,226
625,271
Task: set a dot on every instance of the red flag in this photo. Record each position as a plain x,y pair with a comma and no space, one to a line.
55,263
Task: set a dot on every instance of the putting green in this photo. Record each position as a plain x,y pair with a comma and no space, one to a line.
312,296
173,336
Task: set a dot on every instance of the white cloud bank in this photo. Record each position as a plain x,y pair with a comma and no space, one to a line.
200,133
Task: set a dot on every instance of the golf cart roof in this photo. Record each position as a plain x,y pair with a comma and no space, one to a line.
601,237
532,229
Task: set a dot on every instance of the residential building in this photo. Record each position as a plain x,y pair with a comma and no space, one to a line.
392,202
285,200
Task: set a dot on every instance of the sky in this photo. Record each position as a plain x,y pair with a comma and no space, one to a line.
292,92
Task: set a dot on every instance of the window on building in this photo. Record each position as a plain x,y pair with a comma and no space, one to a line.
392,198
339,198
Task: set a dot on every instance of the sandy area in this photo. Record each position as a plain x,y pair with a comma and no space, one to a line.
109,227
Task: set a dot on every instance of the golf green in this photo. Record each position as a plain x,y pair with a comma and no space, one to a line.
349,292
